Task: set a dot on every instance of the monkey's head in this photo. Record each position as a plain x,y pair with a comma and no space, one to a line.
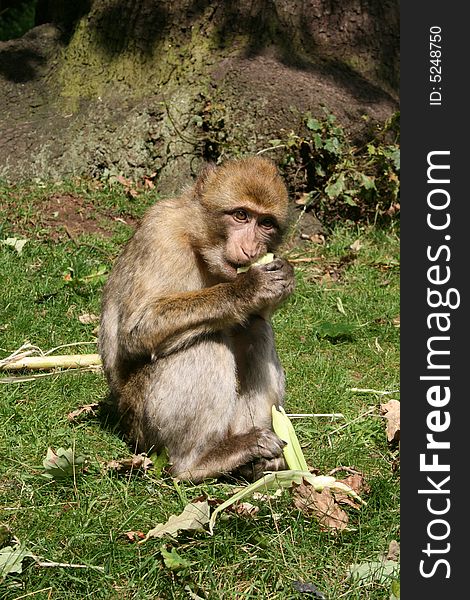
244,213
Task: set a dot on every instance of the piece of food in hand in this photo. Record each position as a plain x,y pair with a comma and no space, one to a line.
263,260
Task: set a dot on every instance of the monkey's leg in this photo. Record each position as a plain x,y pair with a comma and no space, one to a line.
187,402
261,385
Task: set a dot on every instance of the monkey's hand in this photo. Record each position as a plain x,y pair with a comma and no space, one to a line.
269,284
267,445
266,455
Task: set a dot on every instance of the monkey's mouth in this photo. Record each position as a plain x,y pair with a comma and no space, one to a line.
236,265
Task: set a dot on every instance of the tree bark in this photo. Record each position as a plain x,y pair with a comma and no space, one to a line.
124,87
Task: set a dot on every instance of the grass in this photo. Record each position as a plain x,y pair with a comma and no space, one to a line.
327,346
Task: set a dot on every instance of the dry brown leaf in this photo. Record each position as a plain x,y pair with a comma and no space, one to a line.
322,505
357,483
391,411
393,551
356,246
245,509
134,536
193,518
88,318
137,461
83,410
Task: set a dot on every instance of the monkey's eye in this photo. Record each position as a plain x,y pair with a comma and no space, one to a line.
268,224
240,215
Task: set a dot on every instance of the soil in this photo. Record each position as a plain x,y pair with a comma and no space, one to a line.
75,216
63,215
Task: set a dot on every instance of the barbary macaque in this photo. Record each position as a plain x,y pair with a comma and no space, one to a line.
186,341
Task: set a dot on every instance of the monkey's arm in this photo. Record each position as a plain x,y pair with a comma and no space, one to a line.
165,324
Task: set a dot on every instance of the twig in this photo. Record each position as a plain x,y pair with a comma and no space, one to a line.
368,412
368,391
302,415
304,259
52,350
269,149
29,594
49,563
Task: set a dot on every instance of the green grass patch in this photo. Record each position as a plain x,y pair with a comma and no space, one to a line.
338,332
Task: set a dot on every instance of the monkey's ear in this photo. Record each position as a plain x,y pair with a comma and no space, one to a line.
201,182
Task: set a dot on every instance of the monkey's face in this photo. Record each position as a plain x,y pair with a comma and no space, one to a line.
244,211
247,235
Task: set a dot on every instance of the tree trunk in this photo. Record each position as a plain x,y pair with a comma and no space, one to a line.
119,86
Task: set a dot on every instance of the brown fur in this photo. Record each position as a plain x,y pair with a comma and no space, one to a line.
186,342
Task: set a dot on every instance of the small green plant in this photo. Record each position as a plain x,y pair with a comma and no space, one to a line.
340,179
17,20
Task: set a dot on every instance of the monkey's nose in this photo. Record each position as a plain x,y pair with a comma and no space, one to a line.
250,254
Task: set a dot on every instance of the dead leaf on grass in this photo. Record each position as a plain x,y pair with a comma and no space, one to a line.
391,411
134,463
245,509
322,505
134,536
11,559
267,497
380,571
393,551
193,518
15,243
83,410
356,246
357,483
88,318
63,463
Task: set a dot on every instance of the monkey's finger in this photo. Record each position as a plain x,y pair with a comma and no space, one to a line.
275,265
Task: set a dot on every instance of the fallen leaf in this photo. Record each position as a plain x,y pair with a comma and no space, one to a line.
355,482
134,536
88,318
308,588
193,518
83,410
123,181
322,505
134,463
11,559
393,551
192,594
160,461
15,243
356,246
396,321
265,497
173,560
62,464
335,331
245,509
391,411
395,590
340,307
380,571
